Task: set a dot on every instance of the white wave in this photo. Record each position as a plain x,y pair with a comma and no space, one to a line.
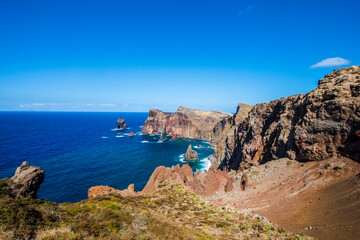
182,155
145,141
119,136
104,137
205,164
140,126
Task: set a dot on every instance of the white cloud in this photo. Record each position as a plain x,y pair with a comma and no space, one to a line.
107,105
331,62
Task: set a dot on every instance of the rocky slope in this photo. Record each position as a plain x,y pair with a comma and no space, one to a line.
306,127
184,123
169,212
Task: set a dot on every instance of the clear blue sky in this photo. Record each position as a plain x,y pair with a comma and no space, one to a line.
136,55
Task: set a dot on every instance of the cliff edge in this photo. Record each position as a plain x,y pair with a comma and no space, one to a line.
184,123
318,125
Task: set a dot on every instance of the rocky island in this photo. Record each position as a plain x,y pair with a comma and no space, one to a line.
121,124
191,154
184,123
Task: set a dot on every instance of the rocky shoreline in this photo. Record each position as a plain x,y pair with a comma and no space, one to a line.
276,160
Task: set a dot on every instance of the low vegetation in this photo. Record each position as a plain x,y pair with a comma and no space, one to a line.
170,213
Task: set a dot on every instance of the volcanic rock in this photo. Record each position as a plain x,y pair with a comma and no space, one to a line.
191,155
223,131
306,127
27,180
163,135
244,181
174,137
121,124
99,191
185,122
204,184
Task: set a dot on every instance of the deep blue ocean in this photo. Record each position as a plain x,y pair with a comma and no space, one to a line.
79,150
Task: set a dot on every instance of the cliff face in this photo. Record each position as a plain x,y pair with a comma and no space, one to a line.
185,122
223,131
314,126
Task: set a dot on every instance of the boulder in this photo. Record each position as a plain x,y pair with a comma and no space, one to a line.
191,155
174,137
27,180
121,124
100,191
131,134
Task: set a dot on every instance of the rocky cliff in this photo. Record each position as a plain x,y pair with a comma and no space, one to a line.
185,122
314,126
223,131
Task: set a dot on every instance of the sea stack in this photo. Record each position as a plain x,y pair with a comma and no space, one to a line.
121,124
191,155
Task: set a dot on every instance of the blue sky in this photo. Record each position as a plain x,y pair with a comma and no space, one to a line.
137,55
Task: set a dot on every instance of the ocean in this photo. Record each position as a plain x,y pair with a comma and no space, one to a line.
78,150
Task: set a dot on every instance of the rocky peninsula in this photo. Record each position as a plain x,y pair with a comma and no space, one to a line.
184,123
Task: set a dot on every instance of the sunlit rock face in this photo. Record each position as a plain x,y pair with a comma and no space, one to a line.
184,123
307,127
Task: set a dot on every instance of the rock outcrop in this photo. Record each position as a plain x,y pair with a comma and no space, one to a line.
99,191
131,134
191,154
184,123
27,180
204,184
307,127
223,132
121,124
163,135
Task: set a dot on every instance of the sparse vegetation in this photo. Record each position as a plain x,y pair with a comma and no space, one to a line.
289,162
170,213
337,167
327,166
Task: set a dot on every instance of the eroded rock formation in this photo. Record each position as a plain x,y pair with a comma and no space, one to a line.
27,180
185,122
191,154
98,191
121,124
204,184
314,126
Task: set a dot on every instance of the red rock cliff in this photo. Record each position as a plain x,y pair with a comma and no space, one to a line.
185,122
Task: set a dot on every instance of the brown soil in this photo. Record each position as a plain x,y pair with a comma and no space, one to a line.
332,211
297,195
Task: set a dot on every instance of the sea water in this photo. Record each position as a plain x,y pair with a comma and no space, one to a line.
79,150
